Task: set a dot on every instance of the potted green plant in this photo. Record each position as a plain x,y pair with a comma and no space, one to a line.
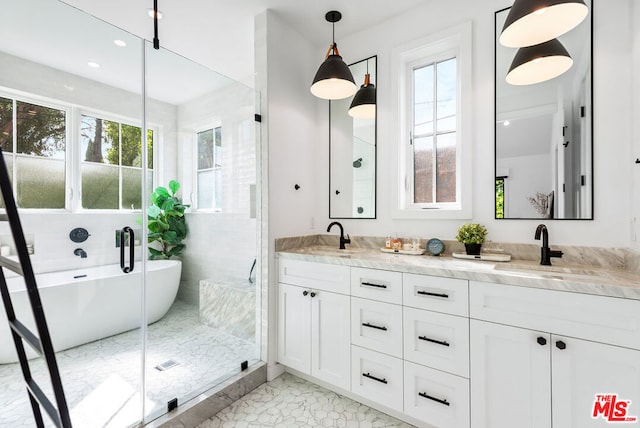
472,235
166,222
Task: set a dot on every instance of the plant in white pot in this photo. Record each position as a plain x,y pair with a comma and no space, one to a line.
472,235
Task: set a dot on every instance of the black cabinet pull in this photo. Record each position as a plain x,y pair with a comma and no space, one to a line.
375,378
313,294
377,327
561,345
541,341
439,342
437,400
427,293
371,284
305,293
123,231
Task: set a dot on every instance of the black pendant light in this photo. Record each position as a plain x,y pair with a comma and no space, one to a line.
334,80
531,22
363,105
538,63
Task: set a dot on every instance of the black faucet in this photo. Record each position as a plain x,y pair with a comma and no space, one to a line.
545,252
343,240
80,252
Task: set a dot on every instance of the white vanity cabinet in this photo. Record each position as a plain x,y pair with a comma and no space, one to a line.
539,357
314,320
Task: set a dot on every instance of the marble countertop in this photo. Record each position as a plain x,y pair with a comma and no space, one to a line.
572,278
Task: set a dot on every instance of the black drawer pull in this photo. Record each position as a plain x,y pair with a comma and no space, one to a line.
375,378
439,342
437,400
427,293
561,345
541,341
377,327
371,284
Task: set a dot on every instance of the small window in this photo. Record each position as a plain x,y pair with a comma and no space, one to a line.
111,170
434,161
35,154
499,197
209,171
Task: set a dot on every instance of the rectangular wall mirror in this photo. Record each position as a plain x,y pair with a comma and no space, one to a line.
544,135
352,154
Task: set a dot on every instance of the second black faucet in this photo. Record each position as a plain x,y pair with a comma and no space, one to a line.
343,240
545,252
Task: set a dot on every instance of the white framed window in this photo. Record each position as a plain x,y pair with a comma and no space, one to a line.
111,163
433,155
34,139
53,148
209,169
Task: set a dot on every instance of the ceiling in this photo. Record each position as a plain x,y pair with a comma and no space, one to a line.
219,33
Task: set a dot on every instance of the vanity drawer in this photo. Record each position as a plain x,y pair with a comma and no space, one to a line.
374,284
319,276
447,295
376,326
603,319
377,377
437,340
439,399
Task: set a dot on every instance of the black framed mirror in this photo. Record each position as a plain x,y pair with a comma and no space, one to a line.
544,134
352,153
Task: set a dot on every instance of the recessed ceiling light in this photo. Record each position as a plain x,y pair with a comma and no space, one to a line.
93,64
120,43
506,123
151,13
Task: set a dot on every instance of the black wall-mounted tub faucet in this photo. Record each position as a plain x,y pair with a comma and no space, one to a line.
80,252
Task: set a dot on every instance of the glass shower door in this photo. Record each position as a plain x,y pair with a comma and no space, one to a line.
70,129
206,125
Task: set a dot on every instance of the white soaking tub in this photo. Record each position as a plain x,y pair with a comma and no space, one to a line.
89,304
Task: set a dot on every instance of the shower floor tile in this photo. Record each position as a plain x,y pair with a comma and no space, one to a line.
101,379
291,402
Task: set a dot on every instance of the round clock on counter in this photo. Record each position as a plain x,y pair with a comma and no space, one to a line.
435,247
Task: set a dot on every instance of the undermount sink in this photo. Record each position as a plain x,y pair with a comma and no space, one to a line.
559,272
326,251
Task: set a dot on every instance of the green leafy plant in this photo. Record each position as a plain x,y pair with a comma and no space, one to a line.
167,224
471,233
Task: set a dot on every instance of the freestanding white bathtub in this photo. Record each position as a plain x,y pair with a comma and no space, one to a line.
89,304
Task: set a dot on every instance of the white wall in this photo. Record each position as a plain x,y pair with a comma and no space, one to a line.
612,127
285,65
634,17
524,182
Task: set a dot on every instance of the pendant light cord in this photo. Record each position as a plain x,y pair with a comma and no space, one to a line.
156,41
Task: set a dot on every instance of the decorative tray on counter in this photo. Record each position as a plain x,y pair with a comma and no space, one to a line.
418,252
484,256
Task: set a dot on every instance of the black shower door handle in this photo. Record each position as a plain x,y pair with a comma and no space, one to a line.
123,232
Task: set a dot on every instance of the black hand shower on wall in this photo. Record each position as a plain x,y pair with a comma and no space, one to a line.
357,163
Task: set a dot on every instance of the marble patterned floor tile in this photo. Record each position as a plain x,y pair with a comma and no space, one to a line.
101,379
291,402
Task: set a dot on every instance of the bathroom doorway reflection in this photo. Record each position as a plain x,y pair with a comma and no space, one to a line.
86,146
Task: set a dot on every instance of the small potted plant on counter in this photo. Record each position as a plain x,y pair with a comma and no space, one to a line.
472,235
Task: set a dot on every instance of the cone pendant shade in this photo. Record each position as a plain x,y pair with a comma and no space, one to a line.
363,105
531,22
538,63
333,80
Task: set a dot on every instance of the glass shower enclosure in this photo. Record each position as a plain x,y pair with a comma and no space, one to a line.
135,174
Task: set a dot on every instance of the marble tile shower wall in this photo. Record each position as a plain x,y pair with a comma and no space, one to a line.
220,247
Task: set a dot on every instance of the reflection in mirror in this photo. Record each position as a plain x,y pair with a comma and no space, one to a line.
352,154
543,135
